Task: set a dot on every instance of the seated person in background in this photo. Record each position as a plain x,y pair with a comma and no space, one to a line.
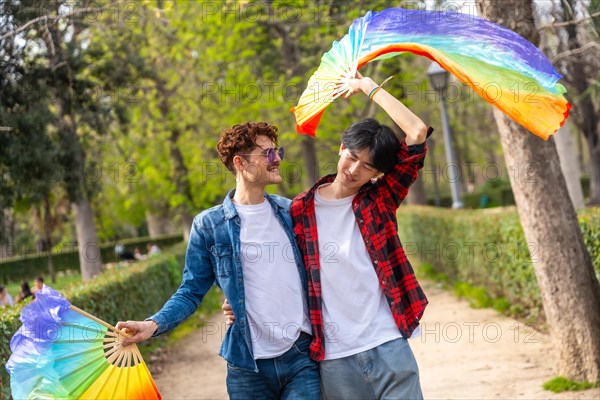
123,253
152,249
5,298
137,253
25,292
39,284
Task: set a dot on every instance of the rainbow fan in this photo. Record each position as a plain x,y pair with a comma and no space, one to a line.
502,67
62,352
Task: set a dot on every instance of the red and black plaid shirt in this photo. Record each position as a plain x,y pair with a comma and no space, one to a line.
374,207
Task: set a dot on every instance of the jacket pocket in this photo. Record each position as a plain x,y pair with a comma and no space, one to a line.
223,256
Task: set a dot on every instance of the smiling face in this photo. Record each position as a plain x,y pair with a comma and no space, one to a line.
253,165
355,168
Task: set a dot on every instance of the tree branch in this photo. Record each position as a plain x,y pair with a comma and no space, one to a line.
569,53
567,23
53,18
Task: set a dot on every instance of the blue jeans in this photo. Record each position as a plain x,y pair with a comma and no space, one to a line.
388,371
291,376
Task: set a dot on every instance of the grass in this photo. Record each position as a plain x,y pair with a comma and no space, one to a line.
64,280
476,296
427,271
561,384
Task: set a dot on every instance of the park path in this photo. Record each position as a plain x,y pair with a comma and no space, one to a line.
463,353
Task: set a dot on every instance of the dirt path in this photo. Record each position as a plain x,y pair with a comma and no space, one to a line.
463,353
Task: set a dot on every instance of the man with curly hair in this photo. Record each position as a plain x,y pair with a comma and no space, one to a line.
247,246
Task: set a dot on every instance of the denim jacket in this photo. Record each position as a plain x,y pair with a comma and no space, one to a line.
214,255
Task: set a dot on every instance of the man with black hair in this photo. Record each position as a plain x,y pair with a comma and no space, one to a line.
364,299
39,284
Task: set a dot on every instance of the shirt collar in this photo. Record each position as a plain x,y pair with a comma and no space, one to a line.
231,212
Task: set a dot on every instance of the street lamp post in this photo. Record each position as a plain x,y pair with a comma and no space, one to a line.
439,80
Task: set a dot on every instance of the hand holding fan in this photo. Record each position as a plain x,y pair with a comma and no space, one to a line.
498,64
63,352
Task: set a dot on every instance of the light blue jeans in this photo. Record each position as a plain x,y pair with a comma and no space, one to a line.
388,371
291,376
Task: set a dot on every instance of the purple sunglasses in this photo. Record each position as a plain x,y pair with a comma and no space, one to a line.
269,153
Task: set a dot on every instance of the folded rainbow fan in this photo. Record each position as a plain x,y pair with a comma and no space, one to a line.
62,352
501,66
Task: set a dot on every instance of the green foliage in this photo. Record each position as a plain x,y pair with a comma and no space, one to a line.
501,305
498,193
589,220
476,296
484,254
428,271
493,193
31,265
9,323
64,280
561,384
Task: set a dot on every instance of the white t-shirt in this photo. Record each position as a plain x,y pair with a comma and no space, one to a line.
356,315
275,301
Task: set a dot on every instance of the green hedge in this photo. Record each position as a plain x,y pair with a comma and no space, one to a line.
485,249
496,193
29,266
132,292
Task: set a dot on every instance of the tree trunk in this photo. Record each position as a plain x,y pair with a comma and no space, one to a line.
90,262
568,163
87,240
416,194
73,158
48,236
7,233
432,173
310,161
182,185
569,289
180,170
594,146
158,223
291,63
584,113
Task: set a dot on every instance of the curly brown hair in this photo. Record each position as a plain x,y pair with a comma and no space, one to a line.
242,138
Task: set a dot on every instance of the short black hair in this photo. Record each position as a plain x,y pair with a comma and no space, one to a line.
381,141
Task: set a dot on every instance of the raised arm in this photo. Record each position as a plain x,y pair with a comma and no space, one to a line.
413,126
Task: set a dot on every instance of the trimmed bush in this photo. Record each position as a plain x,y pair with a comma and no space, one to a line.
496,193
487,251
134,291
28,266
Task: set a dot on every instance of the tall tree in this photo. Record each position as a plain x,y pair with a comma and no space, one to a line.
28,152
575,44
569,288
570,167
64,52
57,38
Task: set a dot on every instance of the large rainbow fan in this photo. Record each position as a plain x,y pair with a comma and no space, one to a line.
501,66
62,352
